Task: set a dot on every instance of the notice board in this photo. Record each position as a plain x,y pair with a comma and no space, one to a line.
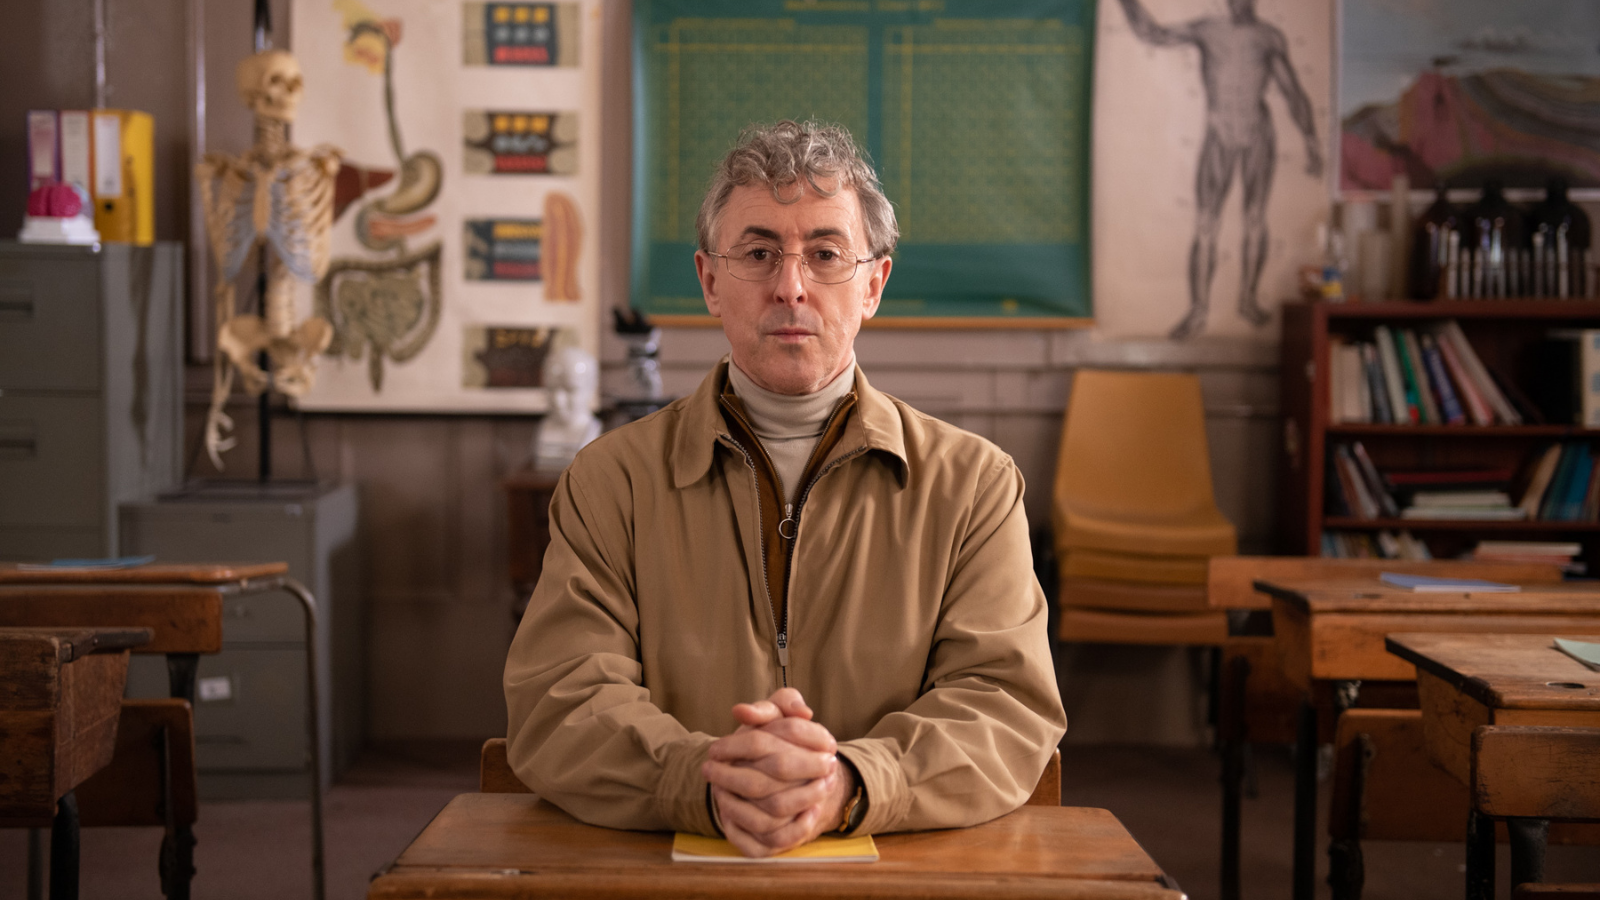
975,114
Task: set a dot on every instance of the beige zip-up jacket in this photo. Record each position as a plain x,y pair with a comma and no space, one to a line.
916,627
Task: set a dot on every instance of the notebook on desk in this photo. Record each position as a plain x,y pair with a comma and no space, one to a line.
1431,584
700,849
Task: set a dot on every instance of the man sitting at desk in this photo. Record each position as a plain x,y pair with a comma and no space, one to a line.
786,532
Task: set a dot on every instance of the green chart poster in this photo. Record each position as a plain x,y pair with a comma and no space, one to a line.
975,113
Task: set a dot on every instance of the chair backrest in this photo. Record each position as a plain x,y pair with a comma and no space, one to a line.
495,776
1133,445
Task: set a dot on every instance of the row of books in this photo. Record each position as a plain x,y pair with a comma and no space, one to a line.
1560,484
1376,545
1423,376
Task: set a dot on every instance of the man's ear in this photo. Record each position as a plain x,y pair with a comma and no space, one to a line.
877,277
705,268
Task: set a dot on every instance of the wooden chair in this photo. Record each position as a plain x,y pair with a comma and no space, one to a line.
495,776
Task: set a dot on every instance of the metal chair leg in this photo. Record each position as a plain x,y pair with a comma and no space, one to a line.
1305,803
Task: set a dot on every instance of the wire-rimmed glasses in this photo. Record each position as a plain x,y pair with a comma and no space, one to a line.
759,261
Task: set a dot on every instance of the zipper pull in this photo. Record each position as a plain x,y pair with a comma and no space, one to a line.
786,528
783,649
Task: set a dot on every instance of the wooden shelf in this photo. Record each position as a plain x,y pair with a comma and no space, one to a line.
1541,308
1348,523
1502,333
1353,429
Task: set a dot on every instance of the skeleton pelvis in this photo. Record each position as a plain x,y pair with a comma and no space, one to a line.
291,357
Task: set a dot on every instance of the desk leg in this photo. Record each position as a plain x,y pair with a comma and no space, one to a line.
1230,721
1480,856
37,860
1528,837
64,849
1305,802
176,863
182,669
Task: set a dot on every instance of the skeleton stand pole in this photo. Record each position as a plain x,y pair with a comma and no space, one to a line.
264,402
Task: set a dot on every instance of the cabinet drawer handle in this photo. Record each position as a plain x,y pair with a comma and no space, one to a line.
18,445
16,302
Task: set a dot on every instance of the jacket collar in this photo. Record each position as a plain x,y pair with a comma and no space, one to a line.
875,425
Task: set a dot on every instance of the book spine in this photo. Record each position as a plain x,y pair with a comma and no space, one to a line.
1577,484
44,148
1476,406
1480,375
76,159
1354,485
1401,413
1539,480
1449,403
1374,480
1408,380
1419,376
1589,389
1550,503
1379,392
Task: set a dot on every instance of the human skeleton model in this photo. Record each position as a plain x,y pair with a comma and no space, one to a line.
281,198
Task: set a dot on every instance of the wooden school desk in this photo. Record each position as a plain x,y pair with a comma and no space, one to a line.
514,845
1518,722
1330,637
60,695
1254,702
181,604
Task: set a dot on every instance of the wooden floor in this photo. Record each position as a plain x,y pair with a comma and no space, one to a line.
1167,797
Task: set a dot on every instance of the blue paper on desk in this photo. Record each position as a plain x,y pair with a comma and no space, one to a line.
116,562
1432,584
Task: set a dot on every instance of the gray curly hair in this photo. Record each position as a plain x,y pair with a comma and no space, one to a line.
781,154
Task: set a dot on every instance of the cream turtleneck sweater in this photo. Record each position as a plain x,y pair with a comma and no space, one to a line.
789,426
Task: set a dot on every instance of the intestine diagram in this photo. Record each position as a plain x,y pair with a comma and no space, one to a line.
388,304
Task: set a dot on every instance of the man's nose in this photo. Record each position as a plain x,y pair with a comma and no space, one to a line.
789,285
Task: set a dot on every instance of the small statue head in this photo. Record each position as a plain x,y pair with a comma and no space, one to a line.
270,84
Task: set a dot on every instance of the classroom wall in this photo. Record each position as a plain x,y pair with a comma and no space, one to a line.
434,518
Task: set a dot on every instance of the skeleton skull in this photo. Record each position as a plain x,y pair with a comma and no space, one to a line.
270,84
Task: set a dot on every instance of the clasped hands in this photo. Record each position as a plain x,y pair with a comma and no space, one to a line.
777,781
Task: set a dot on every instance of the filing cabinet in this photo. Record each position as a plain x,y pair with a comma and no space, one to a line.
91,391
251,740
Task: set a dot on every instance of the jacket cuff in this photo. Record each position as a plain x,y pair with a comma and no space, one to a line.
681,793
884,782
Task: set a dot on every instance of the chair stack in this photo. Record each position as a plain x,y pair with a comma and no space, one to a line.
1135,517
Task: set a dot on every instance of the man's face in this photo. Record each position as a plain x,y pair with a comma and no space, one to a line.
790,334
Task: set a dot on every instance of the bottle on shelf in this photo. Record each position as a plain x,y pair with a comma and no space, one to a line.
1497,265
1558,239
1436,240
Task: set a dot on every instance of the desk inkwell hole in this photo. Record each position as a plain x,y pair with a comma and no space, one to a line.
1569,685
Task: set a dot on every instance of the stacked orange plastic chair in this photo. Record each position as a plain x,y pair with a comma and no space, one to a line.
1134,514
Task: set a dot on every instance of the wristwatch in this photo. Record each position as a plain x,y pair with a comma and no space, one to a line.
855,809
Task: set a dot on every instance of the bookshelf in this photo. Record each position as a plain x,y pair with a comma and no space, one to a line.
1505,334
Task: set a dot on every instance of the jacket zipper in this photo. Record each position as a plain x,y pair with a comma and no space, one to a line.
791,517
761,547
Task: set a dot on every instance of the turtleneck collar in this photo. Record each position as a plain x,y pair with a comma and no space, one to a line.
784,417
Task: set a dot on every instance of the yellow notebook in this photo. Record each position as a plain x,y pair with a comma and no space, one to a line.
695,848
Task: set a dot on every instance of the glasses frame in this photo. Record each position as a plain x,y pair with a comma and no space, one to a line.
805,266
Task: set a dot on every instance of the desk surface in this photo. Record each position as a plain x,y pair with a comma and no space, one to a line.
154,573
505,845
182,618
1230,579
1334,629
1505,671
1369,595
